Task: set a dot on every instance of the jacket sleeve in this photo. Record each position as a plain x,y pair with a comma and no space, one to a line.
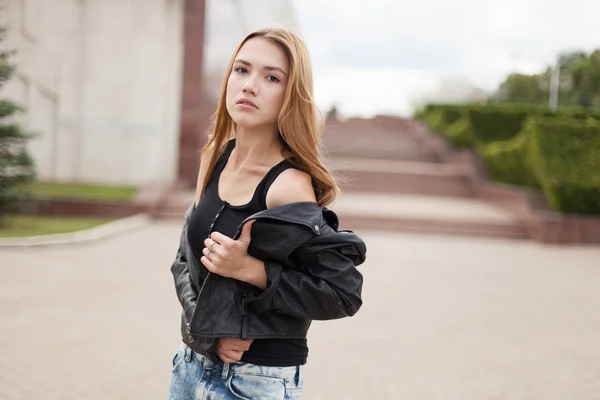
186,292
326,286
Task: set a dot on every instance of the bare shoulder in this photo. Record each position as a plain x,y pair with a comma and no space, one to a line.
291,186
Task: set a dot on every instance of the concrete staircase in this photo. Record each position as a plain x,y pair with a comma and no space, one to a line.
420,189
426,214
176,203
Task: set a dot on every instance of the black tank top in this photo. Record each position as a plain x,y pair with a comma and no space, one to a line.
214,214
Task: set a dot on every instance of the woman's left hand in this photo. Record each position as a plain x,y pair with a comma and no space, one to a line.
227,257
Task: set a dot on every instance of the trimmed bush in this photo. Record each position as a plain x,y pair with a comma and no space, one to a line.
460,133
439,118
572,112
565,158
531,146
493,124
450,115
507,161
449,120
432,119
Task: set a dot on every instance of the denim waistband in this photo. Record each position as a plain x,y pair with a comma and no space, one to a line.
293,373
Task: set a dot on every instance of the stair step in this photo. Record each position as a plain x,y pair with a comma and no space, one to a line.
379,165
405,177
420,207
376,138
463,228
412,213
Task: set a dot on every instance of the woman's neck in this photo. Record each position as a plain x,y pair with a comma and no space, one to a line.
255,147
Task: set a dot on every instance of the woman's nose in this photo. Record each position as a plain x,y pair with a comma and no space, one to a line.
250,86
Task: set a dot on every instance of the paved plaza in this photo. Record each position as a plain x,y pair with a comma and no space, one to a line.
444,318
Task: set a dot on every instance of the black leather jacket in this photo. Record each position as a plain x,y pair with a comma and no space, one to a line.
311,275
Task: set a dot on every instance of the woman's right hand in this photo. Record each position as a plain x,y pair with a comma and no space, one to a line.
230,350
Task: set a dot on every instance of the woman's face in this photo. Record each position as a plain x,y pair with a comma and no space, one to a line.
256,86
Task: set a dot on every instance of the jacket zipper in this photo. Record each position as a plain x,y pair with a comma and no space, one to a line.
188,327
244,313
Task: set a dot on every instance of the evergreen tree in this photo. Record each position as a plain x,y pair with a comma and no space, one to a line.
16,166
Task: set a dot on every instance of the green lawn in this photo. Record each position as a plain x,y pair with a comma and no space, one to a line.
81,191
29,225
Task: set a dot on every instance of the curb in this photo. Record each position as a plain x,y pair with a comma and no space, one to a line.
87,235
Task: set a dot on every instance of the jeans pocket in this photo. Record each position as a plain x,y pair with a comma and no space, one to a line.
250,387
293,388
177,358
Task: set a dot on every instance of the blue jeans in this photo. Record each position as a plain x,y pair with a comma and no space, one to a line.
195,377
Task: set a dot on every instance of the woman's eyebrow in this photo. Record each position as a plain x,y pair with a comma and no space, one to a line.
268,68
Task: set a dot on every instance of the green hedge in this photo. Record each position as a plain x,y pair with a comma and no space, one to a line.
460,133
486,124
490,123
570,112
495,124
431,118
507,161
440,118
450,115
531,146
449,120
565,158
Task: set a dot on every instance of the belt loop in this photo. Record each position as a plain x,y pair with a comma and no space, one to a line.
188,354
225,371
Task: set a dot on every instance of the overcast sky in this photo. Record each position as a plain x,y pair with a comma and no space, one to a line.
380,56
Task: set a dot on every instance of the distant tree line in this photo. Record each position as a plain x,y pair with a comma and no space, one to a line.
579,83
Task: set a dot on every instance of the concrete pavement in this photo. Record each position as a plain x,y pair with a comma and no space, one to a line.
444,318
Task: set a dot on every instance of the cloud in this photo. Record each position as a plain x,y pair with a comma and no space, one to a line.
369,91
481,40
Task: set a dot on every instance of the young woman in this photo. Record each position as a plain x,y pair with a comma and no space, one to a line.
260,255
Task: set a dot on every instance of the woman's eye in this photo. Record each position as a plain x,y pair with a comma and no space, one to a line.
273,78
241,70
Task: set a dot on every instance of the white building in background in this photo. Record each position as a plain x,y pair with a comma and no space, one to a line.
101,79
452,90
228,21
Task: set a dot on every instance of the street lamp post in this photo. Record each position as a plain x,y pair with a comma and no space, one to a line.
555,86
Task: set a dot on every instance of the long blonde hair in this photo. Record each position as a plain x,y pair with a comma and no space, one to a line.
297,122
